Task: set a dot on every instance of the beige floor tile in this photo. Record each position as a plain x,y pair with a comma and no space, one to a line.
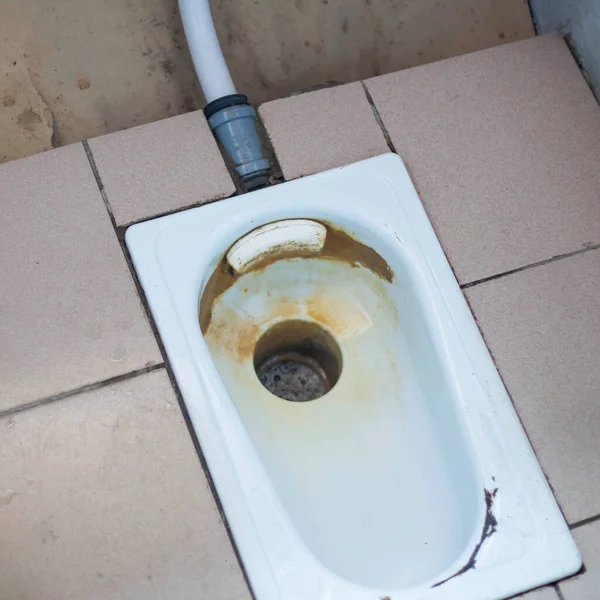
69,312
586,586
321,130
161,167
503,148
542,326
102,495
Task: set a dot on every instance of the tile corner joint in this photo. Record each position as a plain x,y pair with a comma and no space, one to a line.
378,119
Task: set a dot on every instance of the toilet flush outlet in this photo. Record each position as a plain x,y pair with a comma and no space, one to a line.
292,236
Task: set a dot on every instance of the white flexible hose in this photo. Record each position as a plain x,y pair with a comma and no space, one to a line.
203,43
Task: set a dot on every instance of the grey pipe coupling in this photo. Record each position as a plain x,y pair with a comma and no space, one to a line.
233,122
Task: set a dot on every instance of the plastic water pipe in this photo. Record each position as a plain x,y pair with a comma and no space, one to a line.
203,43
231,117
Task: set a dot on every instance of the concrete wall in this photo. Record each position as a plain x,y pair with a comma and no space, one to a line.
580,21
75,69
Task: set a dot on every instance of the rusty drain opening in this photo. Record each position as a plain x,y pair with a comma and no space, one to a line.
297,360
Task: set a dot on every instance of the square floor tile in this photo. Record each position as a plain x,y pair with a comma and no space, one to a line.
161,167
69,312
322,130
586,586
503,148
102,495
542,326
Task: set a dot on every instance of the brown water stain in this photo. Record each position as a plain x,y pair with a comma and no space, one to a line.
339,245
84,83
29,119
344,318
246,340
237,334
222,278
287,308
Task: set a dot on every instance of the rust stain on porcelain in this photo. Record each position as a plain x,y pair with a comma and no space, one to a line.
339,246
236,332
344,318
347,312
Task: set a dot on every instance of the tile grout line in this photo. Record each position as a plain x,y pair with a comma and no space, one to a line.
81,390
470,284
510,397
120,234
173,211
549,483
584,522
384,131
166,213
99,183
539,263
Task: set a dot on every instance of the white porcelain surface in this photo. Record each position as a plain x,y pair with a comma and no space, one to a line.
476,519
293,235
348,467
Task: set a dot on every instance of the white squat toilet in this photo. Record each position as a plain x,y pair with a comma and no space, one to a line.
360,439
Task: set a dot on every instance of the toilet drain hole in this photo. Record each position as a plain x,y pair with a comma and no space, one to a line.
297,360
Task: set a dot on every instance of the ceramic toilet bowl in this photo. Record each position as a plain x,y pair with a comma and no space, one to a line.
387,460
